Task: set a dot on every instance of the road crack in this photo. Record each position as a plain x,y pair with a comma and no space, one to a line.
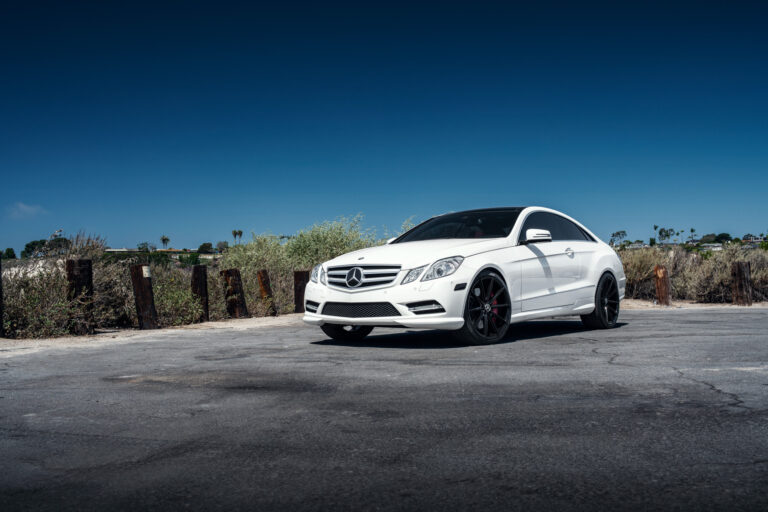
736,401
612,359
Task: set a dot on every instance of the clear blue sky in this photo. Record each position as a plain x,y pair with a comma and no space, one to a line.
192,119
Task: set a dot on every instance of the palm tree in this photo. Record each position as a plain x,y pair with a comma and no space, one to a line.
164,240
240,234
234,235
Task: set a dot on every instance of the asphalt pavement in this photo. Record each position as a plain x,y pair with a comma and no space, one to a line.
667,411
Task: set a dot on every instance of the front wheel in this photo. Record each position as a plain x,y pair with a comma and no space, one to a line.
606,312
487,311
346,332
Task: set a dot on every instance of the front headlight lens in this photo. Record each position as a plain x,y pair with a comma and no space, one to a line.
442,268
322,276
413,274
313,276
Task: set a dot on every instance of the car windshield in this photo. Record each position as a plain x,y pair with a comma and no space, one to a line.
471,224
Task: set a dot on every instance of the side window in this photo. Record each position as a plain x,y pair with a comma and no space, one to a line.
569,230
561,228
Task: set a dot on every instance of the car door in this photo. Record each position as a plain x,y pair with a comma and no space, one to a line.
580,248
550,271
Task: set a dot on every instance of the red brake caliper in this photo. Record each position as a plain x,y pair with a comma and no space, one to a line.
495,310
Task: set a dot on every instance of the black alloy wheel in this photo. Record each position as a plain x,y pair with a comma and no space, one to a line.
606,313
487,310
346,332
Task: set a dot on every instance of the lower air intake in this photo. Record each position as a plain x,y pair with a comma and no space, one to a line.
360,309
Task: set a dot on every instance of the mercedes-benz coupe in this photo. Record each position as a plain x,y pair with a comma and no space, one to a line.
474,273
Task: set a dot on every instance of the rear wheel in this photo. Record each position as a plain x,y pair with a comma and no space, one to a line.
606,312
487,311
346,332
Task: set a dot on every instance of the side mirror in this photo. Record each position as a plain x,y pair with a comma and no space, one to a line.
391,240
533,236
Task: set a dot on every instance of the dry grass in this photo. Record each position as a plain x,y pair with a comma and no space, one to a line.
697,277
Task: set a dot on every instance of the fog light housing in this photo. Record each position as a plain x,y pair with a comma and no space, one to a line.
425,307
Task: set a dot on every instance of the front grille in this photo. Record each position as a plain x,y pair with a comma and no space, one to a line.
372,275
360,309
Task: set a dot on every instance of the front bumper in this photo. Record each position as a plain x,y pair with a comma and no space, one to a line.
441,290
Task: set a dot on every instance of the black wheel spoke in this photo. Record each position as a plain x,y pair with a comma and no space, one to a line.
503,321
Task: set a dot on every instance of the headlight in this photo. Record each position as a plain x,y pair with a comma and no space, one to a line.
442,268
315,273
413,274
322,276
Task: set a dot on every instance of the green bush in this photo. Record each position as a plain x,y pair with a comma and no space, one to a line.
280,257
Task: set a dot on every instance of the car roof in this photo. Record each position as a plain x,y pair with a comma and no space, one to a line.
497,209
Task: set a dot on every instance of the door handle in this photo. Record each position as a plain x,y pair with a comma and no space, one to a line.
569,252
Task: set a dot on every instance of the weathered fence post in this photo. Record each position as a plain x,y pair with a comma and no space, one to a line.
80,288
200,287
300,280
234,294
662,285
266,292
144,297
741,284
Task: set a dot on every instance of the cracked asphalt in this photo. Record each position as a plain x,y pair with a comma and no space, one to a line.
668,411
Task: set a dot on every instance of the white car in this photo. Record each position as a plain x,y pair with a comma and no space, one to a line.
473,272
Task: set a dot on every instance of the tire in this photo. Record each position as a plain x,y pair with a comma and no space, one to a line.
487,310
346,332
606,312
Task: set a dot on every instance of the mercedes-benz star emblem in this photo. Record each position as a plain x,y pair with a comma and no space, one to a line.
354,277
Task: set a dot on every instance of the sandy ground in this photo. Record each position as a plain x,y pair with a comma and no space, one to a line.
126,335
633,304
8,346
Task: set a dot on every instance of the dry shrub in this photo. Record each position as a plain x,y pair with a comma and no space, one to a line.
217,308
174,301
35,300
711,280
268,253
114,305
638,267
703,278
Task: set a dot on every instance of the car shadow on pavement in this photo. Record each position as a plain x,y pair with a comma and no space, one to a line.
444,339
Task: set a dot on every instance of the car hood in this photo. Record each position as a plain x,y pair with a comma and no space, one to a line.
416,254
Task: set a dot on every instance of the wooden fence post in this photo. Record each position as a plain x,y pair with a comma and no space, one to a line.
234,294
266,292
300,280
662,285
144,297
741,283
200,288
80,288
